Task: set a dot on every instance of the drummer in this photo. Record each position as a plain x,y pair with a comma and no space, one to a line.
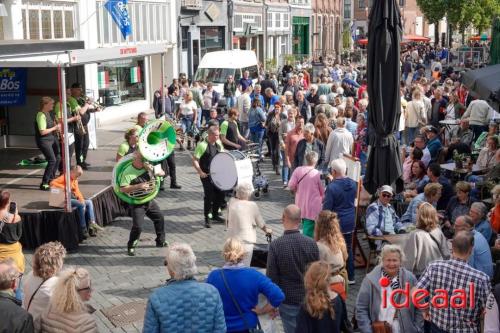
229,133
203,155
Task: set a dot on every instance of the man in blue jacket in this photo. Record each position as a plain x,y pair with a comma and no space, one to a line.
339,198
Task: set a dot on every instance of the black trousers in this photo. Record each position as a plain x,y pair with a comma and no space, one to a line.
50,150
213,197
274,142
168,165
81,147
151,210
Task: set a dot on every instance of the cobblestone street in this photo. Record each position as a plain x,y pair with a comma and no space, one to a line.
119,279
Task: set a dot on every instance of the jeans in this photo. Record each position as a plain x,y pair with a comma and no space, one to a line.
258,137
151,210
350,253
20,290
230,102
50,150
288,314
285,170
205,114
244,131
198,118
275,148
186,123
411,132
85,211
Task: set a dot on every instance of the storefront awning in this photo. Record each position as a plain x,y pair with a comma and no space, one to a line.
81,57
22,53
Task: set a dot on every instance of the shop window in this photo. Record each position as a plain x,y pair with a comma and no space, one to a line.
184,37
347,9
58,27
285,20
362,4
121,81
211,39
68,24
277,18
46,25
34,24
269,20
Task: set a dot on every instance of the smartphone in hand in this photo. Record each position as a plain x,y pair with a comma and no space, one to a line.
12,207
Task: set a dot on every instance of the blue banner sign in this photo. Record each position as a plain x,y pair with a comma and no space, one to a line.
13,86
119,13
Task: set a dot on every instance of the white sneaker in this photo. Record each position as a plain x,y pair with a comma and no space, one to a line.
285,184
351,282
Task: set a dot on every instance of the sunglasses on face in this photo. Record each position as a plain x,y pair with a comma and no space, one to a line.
387,195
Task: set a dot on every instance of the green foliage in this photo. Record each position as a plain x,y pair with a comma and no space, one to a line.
271,64
346,37
289,59
434,10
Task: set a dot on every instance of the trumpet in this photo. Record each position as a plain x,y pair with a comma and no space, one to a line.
80,128
94,105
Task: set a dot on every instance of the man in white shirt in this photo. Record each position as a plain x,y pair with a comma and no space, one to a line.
478,113
244,104
339,142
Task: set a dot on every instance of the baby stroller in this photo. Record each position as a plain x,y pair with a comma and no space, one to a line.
259,181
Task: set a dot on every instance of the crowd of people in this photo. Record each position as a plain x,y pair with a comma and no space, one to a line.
450,162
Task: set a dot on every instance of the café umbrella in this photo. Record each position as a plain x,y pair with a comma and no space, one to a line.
383,76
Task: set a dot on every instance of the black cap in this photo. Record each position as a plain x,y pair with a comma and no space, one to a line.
76,85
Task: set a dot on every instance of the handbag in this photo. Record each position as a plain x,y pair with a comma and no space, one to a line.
258,329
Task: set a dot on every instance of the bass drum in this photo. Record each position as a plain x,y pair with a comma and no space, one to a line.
230,168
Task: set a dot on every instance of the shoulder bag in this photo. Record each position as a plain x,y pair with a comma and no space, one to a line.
437,243
258,329
33,295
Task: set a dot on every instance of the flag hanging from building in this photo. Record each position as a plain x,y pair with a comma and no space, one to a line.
103,80
118,11
135,74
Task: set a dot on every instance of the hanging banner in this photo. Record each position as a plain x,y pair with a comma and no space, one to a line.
103,79
135,74
13,86
118,11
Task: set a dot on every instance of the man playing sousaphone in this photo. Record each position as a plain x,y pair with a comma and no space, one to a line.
138,178
203,155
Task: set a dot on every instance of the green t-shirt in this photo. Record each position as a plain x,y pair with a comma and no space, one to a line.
138,129
129,174
201,148
225,126
41,121
72,105
123,149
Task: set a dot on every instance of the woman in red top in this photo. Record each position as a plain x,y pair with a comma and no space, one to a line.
495,211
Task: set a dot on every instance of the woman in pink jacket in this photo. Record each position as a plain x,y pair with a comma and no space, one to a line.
308,187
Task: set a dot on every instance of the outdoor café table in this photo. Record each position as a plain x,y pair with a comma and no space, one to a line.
449,124
462,172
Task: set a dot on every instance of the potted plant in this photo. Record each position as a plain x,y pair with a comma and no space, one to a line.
458,159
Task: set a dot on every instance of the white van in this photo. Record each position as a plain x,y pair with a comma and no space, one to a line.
216,66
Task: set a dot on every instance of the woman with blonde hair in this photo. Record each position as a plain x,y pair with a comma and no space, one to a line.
332,249
323,310
67,311
427,242
46,129
240,303
187,115
323,128
40,282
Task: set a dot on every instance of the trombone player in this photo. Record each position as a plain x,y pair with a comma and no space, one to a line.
78,101
139,177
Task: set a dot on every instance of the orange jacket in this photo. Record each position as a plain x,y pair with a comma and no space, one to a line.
59,183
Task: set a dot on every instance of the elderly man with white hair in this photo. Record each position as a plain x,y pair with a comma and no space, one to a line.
339,198
330,111
478,213
184,304
339,142
243,218
307,144
309,191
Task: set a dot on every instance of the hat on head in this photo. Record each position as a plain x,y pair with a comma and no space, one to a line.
387,189
432,129
76,85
